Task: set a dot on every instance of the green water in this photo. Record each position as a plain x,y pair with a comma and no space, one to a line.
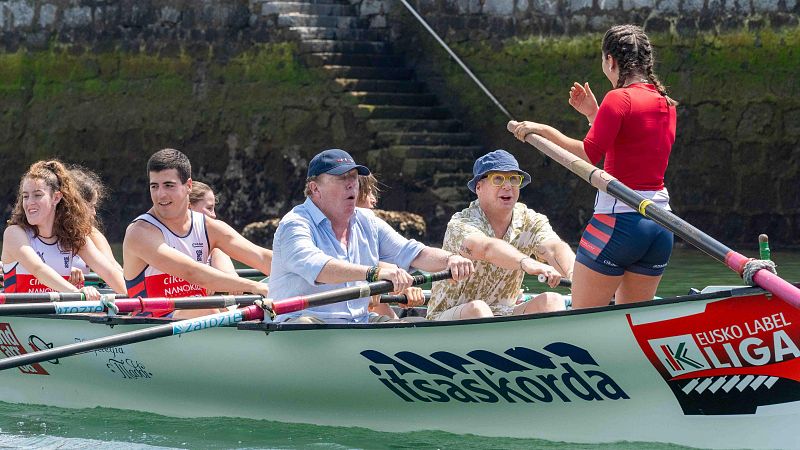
30,426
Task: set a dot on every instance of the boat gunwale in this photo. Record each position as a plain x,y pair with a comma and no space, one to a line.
269,327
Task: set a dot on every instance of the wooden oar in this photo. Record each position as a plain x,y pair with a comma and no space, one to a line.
253,312
605,182
128,305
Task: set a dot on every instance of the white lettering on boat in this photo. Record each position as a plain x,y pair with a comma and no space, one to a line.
10,346
560,372
200,323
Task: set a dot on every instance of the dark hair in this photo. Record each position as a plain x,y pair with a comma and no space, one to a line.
632,50
199,190
169,158
72,223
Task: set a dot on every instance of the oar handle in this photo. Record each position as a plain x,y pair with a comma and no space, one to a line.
365,290
402,298
563,283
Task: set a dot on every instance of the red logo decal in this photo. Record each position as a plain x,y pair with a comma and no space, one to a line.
730,358
10,346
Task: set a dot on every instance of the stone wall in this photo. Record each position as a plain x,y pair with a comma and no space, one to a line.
106,83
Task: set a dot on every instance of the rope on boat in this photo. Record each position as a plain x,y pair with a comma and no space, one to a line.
266,307
754,265
108,302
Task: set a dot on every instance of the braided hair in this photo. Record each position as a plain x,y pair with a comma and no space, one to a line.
632,50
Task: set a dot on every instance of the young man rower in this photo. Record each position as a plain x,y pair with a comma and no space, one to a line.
166,250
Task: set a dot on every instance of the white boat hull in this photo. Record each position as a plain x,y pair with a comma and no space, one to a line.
576,377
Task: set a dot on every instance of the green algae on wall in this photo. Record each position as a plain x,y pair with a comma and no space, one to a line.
737,155
242,119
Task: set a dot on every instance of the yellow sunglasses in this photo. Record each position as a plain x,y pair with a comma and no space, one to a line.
498,179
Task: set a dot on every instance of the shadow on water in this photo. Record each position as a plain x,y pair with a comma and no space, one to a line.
34,426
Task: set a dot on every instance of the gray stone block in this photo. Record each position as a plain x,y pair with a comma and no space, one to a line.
77,16
466,6
372,7
499,7
47,15
638,4
577,5
21,12
693,5
548,7
765,5
169,14
608,4
669,6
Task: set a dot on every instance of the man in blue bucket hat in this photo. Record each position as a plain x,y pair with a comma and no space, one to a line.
327,243
500,236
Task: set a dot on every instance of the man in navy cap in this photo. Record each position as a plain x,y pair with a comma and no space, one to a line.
327,243
500,235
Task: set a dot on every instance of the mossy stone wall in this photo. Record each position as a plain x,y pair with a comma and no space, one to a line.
734,167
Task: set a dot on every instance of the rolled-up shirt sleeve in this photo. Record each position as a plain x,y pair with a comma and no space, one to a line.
393,247
296,240
606,126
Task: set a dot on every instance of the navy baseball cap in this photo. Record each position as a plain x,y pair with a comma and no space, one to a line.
334,162
496,161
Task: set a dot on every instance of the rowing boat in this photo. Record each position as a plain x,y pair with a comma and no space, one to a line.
718,370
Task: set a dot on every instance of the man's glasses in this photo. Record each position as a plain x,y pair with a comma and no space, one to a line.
498,179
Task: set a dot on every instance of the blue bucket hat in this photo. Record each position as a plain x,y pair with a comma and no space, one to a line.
334,162
496,161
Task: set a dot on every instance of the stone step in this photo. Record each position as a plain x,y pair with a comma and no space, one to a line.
341,34
415,125
395,98
307,20
422,138
451,179
454,152
354,59
407,86
428,167
452,194
359,47
317,9
370,73
405,112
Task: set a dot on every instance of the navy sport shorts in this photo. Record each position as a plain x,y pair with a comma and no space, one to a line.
615,243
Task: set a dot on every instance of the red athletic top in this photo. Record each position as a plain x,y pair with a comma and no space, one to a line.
635,130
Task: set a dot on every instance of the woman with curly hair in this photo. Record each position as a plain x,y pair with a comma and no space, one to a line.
49,225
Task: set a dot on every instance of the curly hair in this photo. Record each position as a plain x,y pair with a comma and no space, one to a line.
367,184
72,223
631,48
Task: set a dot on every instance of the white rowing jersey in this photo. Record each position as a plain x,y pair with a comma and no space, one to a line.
152,282
17,278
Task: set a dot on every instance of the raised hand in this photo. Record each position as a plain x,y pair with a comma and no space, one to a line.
583,100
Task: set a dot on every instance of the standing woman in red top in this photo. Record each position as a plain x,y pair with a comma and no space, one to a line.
622,253
49,225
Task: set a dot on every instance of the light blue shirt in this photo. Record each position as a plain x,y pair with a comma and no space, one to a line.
304,242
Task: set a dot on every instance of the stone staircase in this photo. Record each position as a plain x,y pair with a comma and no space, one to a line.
418,148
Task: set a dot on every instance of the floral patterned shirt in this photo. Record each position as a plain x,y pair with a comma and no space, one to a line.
498,287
